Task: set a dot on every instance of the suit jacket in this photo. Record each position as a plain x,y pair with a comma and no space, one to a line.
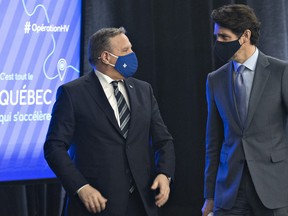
83,119
261,142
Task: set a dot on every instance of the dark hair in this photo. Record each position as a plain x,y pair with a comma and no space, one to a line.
100,41
238,18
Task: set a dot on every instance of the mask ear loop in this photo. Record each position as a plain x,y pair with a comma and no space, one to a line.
112,55
113,65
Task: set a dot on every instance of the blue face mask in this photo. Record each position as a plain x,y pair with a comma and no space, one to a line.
126,65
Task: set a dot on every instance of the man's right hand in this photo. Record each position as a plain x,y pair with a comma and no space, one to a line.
207,207
92,199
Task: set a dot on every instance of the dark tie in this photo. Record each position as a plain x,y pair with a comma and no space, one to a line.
124,112
240,94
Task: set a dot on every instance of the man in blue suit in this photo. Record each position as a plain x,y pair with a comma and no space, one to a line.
113,124
246,146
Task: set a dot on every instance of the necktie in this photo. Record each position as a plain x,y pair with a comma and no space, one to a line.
124,112
240,94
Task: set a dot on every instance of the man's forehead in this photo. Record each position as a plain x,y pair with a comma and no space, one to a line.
120,41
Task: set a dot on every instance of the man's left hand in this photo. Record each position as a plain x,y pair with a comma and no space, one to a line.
162,183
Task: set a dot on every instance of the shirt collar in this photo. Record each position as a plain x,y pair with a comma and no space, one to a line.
104,79
250,63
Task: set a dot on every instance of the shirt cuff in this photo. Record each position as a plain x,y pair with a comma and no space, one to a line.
81,188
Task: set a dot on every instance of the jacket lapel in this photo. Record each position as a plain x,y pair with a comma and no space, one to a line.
134,104
260,79
97,93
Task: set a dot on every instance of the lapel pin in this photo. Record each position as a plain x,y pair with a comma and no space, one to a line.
130,86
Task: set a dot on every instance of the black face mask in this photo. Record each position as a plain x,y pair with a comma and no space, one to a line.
225,50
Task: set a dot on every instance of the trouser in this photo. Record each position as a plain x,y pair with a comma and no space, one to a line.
248,202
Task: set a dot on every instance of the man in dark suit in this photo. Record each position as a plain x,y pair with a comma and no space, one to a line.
246,146
123,155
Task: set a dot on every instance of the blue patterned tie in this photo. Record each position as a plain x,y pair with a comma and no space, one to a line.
124,112
240,94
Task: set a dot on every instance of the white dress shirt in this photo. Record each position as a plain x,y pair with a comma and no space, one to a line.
109,92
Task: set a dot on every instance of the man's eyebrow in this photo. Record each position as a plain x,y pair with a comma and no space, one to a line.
126,48
221,35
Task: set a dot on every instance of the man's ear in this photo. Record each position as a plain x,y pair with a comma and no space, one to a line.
104,57
247,35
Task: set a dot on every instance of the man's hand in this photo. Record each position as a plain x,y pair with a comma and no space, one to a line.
92,199
207,207
161,181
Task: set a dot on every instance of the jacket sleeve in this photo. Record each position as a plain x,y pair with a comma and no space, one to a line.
214,138
58,141
162,141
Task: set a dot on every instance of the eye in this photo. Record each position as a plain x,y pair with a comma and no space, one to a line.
225,37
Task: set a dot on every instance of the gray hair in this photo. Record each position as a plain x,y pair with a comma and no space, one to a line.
100,41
